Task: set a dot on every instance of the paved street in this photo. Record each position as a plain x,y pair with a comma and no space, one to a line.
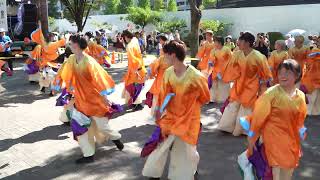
34,144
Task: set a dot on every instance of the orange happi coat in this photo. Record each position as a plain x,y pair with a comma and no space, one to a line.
136,70
275,59
182,115
97,51
300,55
157,69
220,58
89,82
277,117
204,55
49,51
249,74
311,78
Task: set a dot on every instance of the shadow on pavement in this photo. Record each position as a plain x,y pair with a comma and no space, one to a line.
47,133
218,154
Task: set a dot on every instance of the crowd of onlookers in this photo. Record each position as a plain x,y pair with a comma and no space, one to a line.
262,43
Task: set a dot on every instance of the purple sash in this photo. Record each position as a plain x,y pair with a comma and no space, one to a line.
149,98
134,90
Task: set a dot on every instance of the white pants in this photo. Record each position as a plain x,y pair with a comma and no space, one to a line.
126,96
314,103
34,77
229,121
219,91
184,160
87,148
45,81
281,174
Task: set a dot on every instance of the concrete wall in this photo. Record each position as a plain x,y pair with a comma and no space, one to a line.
256,19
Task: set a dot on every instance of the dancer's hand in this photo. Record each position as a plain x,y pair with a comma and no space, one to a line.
251,146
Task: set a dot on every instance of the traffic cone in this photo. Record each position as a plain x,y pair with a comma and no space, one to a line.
113,58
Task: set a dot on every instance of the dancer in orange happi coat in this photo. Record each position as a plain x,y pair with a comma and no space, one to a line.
98,52
249,71
299,52
180,120
219,58
277,56
204,54
91,85
135,77
156,70
45,54
311,80
278,118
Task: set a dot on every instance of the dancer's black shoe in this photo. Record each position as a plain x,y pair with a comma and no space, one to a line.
119,144
85,160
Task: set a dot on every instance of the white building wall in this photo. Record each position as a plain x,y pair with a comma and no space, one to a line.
256,19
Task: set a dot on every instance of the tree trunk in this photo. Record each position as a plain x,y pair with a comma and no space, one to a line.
195,21
44,16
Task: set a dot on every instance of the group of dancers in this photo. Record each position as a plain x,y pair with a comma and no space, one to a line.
260,96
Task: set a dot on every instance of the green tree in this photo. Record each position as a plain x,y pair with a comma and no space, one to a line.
218,27
207,4
171,25
124,6
142,17
144,4
53,10
172,5
101,25
52,24
158,5
111,6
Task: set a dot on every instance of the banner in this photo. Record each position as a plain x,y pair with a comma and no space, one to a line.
3,15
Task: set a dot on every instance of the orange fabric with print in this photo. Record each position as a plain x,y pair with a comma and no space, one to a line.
300,55
136,69
311,78
89,80
49,51
182,115
246,72
219,58
204,55
97,51
157,68
274,60
277,117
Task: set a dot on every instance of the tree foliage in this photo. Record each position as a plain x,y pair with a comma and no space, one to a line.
142,17
158,5
79,11
124,6
53,9
218,28
110,6
171,25
172,5
52,24
209,3
144,4
101,25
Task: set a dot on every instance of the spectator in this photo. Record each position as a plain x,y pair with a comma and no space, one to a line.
119,45
104,41
6,42
289,41
262,45
229,43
